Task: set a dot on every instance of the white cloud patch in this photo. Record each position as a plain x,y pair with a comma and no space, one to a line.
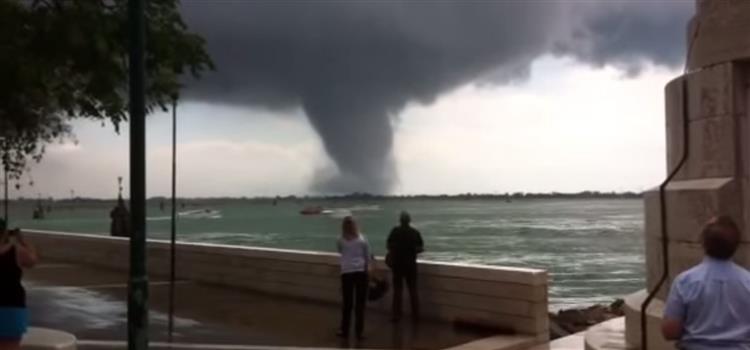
226,168
222,151
569,128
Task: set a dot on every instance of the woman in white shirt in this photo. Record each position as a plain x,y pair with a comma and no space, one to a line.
355,256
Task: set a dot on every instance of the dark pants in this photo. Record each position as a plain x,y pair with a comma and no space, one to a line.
406,273
354,293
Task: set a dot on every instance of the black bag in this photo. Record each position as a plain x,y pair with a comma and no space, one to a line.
376,289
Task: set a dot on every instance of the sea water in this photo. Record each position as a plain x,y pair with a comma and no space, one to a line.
593,248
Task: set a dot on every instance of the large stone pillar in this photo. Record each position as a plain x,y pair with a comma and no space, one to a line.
714,179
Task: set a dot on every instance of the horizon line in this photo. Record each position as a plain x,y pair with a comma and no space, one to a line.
363,195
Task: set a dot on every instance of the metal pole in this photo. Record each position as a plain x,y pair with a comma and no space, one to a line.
5,198
138,284
173,239
5,162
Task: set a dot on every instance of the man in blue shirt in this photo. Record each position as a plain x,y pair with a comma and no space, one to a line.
709,305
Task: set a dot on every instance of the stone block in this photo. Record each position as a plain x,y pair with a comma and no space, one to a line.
718,93
502,290
283,266
745,180
690,204
678,263
298,256
633,304
654,265
714,149
303,280
197,272
718,34
261,253
495,305
745,163
510,297
485,273
652,213
712,92
712,8
673,104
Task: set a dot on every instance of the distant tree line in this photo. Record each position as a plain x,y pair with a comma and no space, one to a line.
491,196
359,196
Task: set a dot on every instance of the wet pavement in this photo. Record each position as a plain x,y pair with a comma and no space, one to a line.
92,304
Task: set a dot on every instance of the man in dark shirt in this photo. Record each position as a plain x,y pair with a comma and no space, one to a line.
404,244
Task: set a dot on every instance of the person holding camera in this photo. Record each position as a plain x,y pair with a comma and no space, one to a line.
16,254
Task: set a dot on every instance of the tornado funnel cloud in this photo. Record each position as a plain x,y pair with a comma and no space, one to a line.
352,66
358,136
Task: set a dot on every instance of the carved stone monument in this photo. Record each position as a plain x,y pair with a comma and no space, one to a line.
713,96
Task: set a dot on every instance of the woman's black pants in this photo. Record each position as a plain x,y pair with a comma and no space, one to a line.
354,294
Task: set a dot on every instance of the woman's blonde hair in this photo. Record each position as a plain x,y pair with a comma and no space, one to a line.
349,228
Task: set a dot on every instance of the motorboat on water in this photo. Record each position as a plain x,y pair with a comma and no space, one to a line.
312,210
200,214
318,210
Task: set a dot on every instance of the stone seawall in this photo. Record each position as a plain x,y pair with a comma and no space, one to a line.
500,297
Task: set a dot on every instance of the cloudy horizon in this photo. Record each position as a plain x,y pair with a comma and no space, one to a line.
495,98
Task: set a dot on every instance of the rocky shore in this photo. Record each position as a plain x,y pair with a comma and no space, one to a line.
569,321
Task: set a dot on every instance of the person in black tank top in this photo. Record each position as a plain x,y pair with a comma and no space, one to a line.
12,293
15,254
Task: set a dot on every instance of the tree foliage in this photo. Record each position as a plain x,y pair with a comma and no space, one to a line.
67,59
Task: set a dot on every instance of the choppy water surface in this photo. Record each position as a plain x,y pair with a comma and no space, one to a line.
592,248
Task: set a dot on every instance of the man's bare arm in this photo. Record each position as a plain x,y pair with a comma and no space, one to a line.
671,329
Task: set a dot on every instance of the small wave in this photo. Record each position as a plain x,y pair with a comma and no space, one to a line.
337,213
236,238
556,224
365,208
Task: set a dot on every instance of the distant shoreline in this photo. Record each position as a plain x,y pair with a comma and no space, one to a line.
370,197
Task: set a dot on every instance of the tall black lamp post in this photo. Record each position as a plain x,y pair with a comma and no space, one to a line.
138,283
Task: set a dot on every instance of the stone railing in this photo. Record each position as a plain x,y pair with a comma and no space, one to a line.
500,297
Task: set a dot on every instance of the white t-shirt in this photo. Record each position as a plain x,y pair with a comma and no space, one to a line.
355,254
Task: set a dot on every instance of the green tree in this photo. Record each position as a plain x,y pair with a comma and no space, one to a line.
67,59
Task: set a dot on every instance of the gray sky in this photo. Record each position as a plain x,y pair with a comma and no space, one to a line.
406,97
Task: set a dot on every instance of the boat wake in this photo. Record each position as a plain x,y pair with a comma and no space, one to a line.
200,214
338,212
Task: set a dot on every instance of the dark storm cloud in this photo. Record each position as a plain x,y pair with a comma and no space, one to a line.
629,34
353,65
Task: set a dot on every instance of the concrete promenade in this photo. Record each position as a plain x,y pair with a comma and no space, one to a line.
504,299
91,303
